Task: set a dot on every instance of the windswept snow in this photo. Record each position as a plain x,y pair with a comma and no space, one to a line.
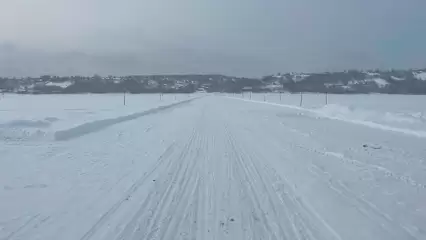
216,168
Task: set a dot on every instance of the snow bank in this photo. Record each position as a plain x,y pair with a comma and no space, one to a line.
101,124
39,117
413,124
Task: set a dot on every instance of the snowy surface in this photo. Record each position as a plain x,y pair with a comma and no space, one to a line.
40,116
215,167
405,112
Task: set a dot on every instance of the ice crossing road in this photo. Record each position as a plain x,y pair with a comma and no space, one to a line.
218,168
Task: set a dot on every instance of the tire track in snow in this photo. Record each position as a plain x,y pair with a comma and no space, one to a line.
172,186
368,209
267,228
129,192
291,219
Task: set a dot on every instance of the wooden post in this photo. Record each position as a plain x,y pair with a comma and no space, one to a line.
250,95
326,98
264,97
124,97
301,98
280,96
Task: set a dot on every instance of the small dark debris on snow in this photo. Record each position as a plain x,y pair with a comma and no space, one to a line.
231,219
153,180
372,147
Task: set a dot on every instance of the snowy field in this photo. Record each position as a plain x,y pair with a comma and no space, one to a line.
212,167
403,112
38,117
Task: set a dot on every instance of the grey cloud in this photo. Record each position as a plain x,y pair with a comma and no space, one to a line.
240,37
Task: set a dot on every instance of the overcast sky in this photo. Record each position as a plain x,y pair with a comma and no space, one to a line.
234,37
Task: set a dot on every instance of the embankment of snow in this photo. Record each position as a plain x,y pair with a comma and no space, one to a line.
95,126
363,117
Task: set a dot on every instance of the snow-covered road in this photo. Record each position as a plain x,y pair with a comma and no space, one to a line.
217,168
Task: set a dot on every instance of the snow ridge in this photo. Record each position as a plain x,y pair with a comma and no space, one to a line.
95,126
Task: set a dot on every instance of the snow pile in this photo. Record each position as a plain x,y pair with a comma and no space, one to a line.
95,126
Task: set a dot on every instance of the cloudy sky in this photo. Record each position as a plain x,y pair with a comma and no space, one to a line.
236,37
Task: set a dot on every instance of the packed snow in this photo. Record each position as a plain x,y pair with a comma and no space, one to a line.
213,166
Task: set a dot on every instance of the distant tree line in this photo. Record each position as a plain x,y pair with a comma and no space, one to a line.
346,82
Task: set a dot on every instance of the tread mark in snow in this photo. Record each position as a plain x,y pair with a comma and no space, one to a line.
129,192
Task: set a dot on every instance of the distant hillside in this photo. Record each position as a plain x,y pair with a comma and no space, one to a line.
353,81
